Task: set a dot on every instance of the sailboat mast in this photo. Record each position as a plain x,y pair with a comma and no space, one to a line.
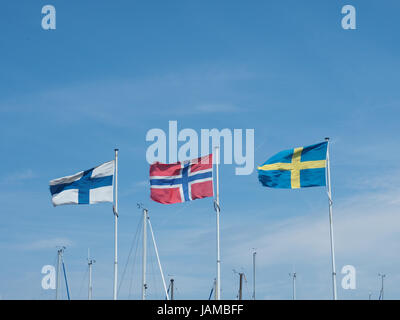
293,276
90,282
382,276
172,289
90,286
58,272
241,286
254,275
59,258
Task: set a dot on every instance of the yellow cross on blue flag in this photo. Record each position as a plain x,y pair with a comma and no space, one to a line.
295,168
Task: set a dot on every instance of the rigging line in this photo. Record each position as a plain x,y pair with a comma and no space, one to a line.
234,272
55,260
55,267
169,287
153,274
83,281
134,259
247,287
129,255
212,290
158,259
133,268
65,277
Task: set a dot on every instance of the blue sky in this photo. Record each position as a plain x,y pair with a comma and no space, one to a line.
111,71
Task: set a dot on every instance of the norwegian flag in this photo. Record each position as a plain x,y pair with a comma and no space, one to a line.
181,181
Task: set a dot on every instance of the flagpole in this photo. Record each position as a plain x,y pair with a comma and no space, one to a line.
218,282
115,226
144,264
328,177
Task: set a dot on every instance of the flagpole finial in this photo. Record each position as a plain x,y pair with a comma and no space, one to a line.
116,149
327,139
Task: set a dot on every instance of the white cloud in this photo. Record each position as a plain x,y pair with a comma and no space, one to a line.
364,227
117,101
46,244
19,176
143,183
135,187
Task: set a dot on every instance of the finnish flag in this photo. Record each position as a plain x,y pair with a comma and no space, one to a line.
86,187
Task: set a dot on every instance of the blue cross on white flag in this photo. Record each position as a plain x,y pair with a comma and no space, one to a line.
86,187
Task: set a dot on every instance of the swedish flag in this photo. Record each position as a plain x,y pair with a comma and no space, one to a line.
295,168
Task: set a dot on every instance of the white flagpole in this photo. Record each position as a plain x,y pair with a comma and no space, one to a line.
144,285
218,282
115,225
328,177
